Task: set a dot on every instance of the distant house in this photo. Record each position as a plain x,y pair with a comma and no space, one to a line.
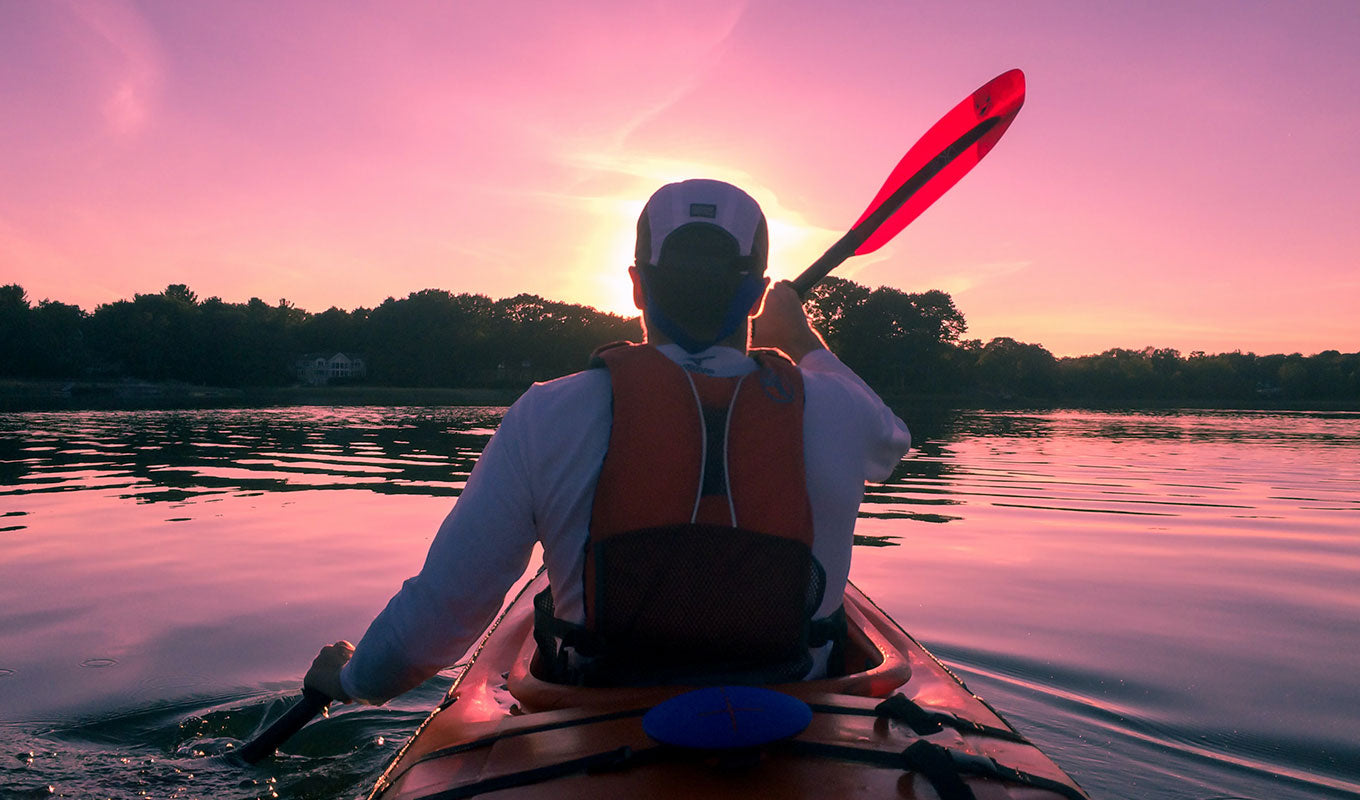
509,371
319,369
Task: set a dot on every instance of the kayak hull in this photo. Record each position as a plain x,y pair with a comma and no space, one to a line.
502,732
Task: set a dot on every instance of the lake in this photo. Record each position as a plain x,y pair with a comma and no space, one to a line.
1168,603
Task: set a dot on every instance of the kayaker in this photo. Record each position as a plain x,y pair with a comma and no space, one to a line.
695,502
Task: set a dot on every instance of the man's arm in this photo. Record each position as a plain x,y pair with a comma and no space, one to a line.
784,325
879,433
481,548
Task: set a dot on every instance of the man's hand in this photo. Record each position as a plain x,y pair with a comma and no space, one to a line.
783,325
324,676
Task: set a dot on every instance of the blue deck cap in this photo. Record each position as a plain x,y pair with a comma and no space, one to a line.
727,718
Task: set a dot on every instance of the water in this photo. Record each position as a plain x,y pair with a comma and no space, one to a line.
1167,603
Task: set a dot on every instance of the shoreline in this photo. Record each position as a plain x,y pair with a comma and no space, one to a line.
132,395
17,395
954,402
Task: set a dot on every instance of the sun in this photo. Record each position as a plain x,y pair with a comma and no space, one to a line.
600,275
617,289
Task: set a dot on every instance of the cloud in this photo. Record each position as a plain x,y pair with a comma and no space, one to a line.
136,63
974,275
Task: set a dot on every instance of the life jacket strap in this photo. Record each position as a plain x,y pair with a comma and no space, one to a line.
831,629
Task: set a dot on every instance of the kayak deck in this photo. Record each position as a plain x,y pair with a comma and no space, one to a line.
503,732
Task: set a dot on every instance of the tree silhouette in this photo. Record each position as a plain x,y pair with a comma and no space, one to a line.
895,340
1009,368
899,342
15,331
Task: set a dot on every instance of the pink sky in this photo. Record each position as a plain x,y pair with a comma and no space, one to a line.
1184,174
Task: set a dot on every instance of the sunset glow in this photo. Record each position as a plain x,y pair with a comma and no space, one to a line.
1183,175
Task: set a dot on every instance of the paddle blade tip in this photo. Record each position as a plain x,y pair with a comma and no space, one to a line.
1002,96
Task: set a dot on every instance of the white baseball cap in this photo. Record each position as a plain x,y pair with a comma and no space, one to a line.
703,223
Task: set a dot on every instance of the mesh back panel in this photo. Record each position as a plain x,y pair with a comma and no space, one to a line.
701,602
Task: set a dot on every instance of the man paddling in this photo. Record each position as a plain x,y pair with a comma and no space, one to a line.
695,502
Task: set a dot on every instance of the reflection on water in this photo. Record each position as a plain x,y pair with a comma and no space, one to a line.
1166,602
176,455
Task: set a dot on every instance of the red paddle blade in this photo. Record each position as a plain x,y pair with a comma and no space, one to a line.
948,150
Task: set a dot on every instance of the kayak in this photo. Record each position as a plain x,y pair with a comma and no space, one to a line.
900,724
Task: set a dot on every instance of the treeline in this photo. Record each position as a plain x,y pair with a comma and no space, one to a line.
430,338
914,343
899,342
1009,370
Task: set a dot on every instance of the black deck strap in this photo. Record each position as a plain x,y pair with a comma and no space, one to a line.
924,755
925,721
607,761
935,765
969,764
486,741
904,709
930,760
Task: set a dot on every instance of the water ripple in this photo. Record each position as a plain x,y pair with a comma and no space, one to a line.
170,455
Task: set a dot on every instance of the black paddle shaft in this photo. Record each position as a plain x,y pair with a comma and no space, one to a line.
264,745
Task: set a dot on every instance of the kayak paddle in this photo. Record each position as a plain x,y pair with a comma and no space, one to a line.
264,745
946,153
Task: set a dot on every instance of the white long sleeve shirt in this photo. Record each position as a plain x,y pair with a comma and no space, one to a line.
535,482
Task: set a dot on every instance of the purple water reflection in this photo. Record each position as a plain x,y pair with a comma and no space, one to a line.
1162,600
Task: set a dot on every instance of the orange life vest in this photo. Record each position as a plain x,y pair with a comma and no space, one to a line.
698,566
